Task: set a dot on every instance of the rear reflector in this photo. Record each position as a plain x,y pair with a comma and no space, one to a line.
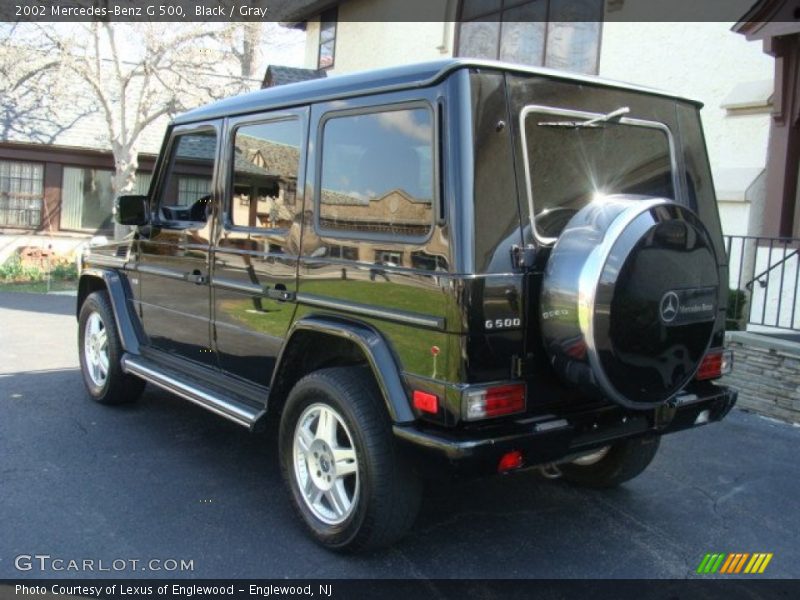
715,364
510,460
497,401
426,402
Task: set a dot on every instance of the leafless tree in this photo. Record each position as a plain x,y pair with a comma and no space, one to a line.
133,74
251,44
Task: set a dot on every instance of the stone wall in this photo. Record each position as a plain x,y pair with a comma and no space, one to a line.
766,371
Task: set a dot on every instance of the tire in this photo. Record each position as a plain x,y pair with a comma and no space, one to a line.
100,351
360,493
622,462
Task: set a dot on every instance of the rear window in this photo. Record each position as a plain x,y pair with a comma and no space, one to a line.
571,161
377,174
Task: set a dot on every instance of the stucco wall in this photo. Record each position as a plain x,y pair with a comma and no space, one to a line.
703,61
700,60
367,38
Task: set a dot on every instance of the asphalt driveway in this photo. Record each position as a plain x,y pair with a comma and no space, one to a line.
164,479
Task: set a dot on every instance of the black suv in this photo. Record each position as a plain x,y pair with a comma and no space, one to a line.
459,267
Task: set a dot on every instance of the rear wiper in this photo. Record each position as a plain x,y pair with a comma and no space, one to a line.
613,116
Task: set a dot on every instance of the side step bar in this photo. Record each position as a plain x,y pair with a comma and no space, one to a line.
209,398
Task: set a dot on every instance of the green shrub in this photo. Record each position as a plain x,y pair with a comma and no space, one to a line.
13,271
65,271
737,300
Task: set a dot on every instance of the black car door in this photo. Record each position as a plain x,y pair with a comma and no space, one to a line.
254,274
174,252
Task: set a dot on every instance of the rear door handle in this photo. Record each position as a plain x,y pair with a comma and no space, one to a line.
281,295
195,277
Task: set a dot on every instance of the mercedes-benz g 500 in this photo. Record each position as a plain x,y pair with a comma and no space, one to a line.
459,267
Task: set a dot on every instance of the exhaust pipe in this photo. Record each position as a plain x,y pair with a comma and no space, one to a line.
550,471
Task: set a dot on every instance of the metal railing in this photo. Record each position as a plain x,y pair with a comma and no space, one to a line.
773,264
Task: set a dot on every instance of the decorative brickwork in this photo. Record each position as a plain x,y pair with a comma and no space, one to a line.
766,371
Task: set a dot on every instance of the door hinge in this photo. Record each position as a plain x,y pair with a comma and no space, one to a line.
521,366
523,256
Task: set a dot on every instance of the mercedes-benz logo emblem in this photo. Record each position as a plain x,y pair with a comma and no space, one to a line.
669,307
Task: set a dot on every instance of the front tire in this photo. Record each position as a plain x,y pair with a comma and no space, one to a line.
619,463
346,480
100,351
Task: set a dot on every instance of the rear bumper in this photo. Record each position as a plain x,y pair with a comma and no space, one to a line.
541,440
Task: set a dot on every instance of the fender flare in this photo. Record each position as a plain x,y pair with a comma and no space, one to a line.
118,294
376,349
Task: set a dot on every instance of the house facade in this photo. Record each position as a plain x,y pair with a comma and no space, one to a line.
734,79
57,168
56,180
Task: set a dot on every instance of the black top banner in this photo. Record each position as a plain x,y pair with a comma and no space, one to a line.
299,11
389,589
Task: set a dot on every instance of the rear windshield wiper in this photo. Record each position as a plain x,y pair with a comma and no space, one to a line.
613,116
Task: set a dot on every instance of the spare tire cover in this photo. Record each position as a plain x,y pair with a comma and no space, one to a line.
629,299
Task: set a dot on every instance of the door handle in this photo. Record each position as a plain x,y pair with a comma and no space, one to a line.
280,295
195,277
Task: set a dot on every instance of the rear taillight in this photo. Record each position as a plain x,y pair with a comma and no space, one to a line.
425,402
715,364
494,401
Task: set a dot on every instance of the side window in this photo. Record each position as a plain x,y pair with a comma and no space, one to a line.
186,192
266,162
377,174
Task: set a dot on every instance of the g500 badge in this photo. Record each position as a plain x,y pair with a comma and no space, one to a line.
502,323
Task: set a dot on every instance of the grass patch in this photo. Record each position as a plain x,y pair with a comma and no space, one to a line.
384,294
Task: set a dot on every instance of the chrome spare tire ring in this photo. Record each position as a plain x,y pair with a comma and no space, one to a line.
95,349
326,466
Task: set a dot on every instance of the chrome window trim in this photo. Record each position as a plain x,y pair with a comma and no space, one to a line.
160,272
102,260
238,286
579,114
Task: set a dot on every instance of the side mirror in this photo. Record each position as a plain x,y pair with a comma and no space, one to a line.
131,210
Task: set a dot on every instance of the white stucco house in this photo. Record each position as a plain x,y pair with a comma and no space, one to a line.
707,61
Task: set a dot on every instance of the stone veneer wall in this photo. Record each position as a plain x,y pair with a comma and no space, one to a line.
766,371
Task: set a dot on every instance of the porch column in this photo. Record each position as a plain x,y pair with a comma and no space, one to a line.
781,215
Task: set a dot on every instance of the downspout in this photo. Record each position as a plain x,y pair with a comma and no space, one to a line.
449,17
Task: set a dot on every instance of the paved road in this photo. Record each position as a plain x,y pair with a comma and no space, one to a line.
165,479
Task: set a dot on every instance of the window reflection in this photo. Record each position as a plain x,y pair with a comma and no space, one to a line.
186,195
562,34
571,165
266,161
377,173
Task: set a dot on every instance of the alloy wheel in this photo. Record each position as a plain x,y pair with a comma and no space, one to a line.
95,349
325,464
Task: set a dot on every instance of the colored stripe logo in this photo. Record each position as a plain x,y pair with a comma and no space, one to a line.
734,563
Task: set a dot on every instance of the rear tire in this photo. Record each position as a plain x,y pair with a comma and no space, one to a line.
100,351
623,461
347,482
